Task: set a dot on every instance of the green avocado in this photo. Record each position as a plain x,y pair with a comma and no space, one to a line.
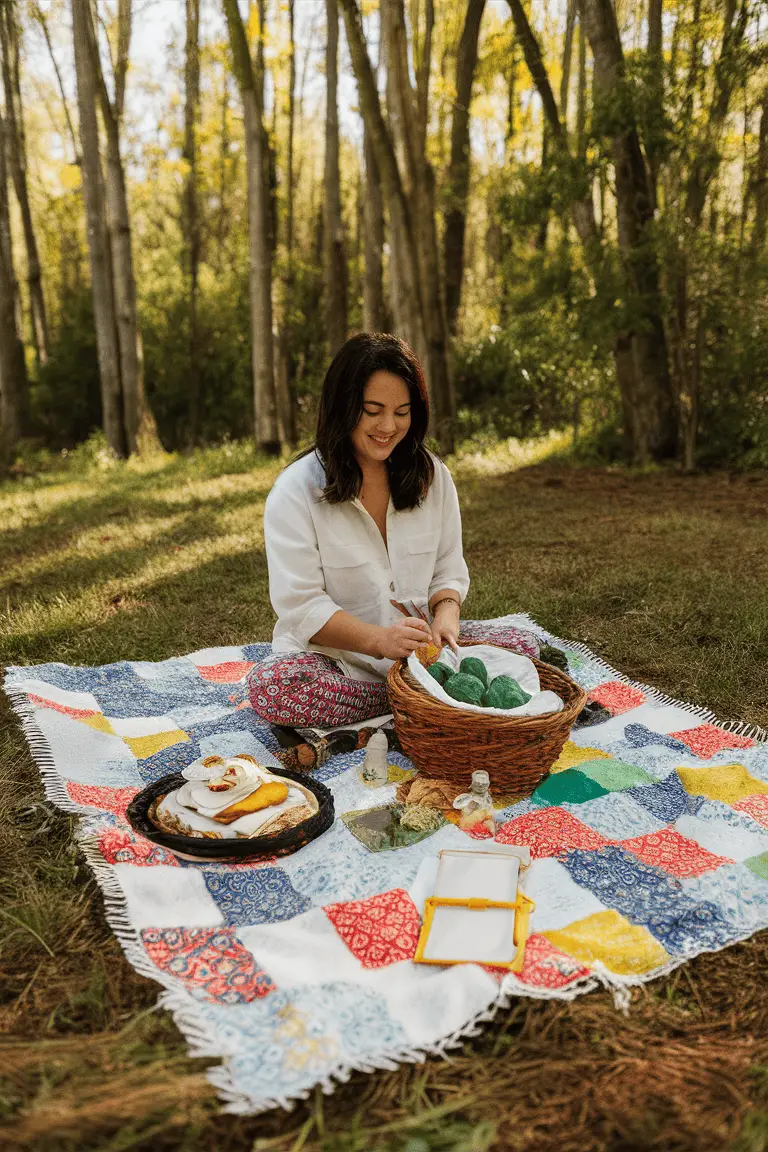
471,666
505,692
440,672
468,689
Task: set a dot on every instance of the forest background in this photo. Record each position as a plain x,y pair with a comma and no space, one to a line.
562,206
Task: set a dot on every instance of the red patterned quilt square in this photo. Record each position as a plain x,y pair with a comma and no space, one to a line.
706,740
755,806
543,967
617,697
379,930
550,832
230,672
210,961
123,846
678,856
98,796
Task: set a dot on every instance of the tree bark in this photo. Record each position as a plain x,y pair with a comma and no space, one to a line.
260,245
374,308
382,144
335,259
190,211
11,351
653,431
9,35
760,183
457,180
140,428
98,237
420,185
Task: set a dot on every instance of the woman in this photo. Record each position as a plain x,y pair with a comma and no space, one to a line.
367,516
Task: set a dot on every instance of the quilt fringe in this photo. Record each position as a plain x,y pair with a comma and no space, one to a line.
203,1039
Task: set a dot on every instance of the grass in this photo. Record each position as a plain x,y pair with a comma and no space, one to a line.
662,575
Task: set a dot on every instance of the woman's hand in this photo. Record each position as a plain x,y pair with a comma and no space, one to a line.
445,625
404,637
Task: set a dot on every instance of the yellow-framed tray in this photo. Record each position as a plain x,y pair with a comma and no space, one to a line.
521,907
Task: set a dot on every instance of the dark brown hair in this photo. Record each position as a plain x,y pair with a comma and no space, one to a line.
411,468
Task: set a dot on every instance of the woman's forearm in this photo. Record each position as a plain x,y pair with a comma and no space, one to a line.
346,632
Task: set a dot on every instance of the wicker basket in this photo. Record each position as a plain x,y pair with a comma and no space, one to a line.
451,743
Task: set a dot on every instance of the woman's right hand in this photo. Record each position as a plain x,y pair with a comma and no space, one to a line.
404,637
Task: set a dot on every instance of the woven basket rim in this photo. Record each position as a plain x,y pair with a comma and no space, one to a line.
403,683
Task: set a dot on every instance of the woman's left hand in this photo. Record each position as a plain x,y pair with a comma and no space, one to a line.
445,625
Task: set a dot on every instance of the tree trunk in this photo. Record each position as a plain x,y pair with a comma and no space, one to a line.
760,183
140,428
581,98
9,34
374,308
335,259
655,423
654,140
11,350
382,144
421,194
260,246
458,169
190,209
98,238
284,385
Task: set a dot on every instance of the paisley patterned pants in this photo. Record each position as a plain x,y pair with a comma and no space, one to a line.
306,689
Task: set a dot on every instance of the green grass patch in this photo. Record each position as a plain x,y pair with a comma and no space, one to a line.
662,575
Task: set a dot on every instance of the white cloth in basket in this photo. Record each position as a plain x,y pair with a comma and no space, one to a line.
499,662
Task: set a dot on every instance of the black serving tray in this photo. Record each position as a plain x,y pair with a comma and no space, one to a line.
239,849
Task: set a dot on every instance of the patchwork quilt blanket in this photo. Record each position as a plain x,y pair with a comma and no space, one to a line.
649,843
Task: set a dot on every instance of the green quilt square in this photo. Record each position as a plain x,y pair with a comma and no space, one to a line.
615,775
571,786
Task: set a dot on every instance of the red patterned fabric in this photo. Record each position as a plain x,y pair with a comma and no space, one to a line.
706,740
96,796
755,806
380,930
543,967
227,673
550,832
122,846
678,856
617,697
305,688
75,713
210,961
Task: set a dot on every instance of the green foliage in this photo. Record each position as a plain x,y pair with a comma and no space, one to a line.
65,403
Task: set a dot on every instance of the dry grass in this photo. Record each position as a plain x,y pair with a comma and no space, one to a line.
662,575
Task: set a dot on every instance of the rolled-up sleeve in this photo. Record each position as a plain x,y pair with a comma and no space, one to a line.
450,567
296,584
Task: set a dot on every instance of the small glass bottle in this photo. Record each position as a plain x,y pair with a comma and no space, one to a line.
476,806
375,771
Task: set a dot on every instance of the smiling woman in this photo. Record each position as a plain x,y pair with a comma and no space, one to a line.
366,517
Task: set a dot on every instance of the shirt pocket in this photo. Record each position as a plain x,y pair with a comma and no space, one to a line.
349,578
422,552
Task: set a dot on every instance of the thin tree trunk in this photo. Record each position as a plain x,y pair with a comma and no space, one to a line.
140,428
382,144
11,352
335,259
654,139
223,154
190,212
421,184
374,308
581,98
9,34
284,382
760,183
654,422
260,246
457,180
98,236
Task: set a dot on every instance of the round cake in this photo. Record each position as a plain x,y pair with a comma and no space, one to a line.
232,798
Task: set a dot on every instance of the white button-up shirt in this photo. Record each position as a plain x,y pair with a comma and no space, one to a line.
324,557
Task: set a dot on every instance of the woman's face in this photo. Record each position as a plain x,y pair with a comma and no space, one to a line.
385,419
